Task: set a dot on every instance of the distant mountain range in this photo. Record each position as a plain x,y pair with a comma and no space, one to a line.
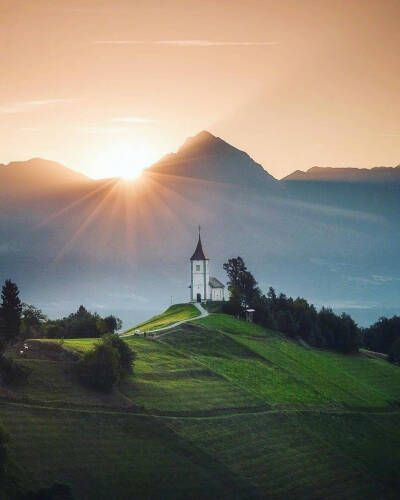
376,174
124,247
36,175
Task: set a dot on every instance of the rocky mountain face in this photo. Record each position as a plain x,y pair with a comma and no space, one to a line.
209,158
124,248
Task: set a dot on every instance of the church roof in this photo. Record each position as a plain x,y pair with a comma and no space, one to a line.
199,253
214,283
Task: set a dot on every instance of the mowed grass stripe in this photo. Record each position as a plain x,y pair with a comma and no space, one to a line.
114,456
326,371
283,456
334,378
169,379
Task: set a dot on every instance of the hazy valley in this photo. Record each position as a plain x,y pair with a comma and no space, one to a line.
328,235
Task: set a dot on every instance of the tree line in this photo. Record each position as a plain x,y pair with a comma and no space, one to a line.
384,336
20,321
298,318
105,365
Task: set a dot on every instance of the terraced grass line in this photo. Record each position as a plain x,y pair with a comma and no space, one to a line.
220,414
242,366
218,408
175,313
122,457
286,455
169,379
337,379
328,372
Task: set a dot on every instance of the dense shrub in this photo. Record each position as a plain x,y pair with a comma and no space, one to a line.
11,372
126,355
100,367
106,364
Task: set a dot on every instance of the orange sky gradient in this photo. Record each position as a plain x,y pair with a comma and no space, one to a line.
97,84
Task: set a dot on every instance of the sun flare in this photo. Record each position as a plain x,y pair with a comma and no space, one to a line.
123,160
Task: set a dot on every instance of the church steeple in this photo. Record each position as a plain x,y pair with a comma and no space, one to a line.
199,253
202,287
199,274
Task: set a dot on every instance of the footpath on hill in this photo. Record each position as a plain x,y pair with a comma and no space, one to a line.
203,313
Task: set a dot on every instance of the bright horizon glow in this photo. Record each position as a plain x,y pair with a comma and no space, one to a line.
122,160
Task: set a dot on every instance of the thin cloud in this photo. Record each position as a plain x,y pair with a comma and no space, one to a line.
29,106
133,119
101,130
187,43
375,279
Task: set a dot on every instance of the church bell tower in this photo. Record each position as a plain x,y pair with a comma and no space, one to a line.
199,274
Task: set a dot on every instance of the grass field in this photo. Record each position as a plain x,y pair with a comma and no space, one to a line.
217,408
173,314
304,455
107,456
282,372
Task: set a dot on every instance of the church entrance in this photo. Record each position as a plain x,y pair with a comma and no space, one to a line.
199,297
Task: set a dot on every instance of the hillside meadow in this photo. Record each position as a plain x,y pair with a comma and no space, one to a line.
216,408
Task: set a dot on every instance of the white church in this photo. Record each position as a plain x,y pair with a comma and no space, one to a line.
203,288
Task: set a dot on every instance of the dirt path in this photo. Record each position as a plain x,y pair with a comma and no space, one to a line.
203,314
216,413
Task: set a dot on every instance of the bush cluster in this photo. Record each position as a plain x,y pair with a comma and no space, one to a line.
106,364
12,372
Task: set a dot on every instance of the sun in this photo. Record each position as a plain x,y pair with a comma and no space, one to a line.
122,160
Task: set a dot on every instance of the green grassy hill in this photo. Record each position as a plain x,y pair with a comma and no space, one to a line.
217,408
175,313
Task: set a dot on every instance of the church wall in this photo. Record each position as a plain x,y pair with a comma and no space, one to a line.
217,294
200,275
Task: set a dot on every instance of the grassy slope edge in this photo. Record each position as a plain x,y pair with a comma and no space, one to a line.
237,411
175,313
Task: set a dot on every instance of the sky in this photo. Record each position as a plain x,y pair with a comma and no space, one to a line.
109,86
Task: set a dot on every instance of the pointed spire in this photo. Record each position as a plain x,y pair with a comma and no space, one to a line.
199,253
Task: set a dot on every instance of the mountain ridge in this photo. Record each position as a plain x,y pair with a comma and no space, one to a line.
374,174
205,156
125,245
200,156
37,174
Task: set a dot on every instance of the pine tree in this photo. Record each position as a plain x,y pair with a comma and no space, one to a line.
11,311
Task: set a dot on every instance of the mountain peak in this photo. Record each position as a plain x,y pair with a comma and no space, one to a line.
204,140
203,135
205,156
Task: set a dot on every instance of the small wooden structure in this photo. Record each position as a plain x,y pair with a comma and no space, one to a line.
249,315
